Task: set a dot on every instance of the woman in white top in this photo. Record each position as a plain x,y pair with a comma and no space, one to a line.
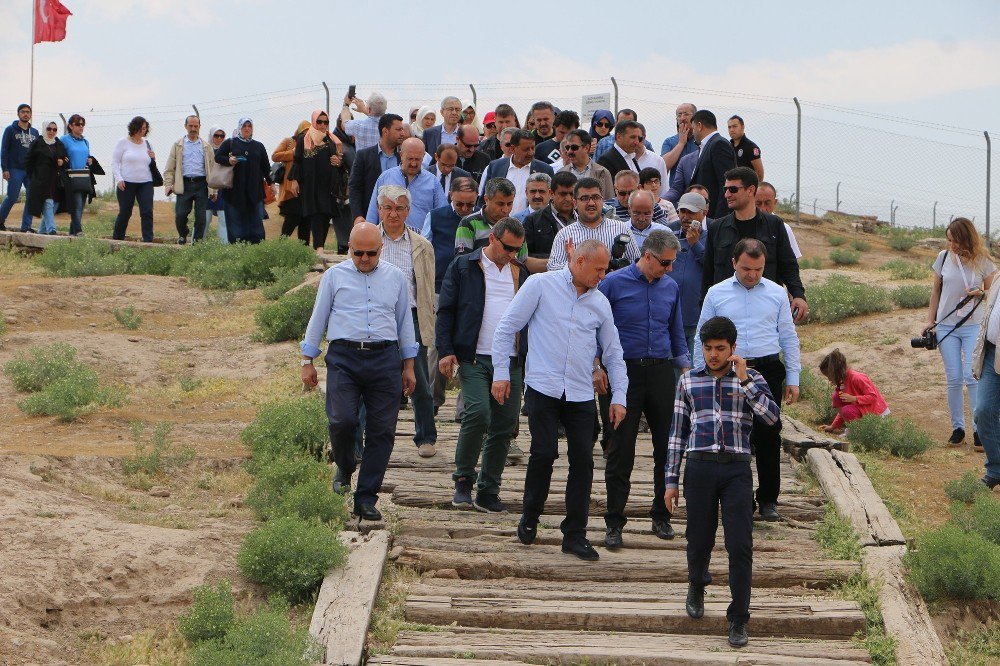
131,160
963,270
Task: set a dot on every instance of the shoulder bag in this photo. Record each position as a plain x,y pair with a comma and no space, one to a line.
220,177
154,170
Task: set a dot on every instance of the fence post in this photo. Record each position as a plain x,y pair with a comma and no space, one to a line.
892,213
838,196
989,155
196,111
65,128
814,206
934,217
475,99
798,157
615,84
327,90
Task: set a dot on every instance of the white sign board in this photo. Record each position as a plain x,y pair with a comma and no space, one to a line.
591,103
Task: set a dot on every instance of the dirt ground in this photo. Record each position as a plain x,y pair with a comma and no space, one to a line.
89,559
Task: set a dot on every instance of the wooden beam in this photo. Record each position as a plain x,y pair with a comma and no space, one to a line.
38,242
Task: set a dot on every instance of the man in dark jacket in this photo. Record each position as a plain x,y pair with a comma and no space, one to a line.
747,221
369,163
470,158
715,157
541,227
476,291
13,150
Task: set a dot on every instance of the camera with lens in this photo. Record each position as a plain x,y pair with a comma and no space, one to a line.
926,341
929,339
618,258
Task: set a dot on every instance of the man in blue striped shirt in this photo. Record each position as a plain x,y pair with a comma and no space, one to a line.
714,411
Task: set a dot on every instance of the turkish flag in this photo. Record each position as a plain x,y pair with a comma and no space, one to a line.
50,21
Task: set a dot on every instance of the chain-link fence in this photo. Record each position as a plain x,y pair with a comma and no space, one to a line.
908,172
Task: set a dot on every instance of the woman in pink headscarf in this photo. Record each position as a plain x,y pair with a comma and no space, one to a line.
318,175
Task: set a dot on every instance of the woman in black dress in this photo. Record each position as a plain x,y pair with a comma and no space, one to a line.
316,173
251,170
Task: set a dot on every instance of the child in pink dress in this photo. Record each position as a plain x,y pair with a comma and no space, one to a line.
855,394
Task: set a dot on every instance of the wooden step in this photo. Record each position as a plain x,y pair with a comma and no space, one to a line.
392,660
575,647
827,618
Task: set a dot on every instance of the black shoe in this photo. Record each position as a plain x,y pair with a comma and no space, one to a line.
489,503
341,482
436,408
581,549
367,511
182,240
957,437
738,634
613,538
663,529
695,603
463,492
769,512
990,482
976,442
3,227
29,230
526,532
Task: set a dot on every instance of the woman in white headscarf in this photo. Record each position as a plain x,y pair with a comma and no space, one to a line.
426,119
216,206
470,117
251,170
46,157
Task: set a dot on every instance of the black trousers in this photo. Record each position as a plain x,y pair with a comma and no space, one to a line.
320,225
375,378
765,440
544,416
342,225
651,392
297,223
195,193
127,198
707,485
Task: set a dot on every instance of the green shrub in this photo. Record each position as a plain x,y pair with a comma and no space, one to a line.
843,257
127,317
898,437
264,638
41,366
81,256
965,488
290,555
314,500
211,616
836,537
983,517
76,393
839,298
835,240
147,260
286,318
285,278
158,455
212,265
912,296
906,270
189,384
277,476
287,427
950,562
901,240
979,647
860,245
816,391
815,263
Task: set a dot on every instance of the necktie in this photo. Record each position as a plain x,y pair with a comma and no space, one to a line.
443,178
636,163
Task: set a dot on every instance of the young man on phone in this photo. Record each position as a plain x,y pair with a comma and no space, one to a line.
714,410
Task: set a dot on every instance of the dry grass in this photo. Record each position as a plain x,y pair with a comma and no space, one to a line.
162,646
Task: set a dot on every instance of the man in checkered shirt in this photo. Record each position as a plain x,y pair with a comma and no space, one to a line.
714,411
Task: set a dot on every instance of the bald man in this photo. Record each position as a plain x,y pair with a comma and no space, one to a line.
425,189
363,305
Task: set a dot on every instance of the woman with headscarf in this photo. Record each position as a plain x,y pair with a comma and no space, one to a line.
46,157
426,118
469,116
216,206
288,200
244,201
316,175
601,124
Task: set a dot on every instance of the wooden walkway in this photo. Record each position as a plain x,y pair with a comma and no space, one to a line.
492,600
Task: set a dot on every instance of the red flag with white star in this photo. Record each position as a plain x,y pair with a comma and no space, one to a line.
50,21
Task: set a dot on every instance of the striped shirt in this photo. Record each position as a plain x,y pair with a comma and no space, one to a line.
606,232
474,231
364,130
716,415
399,253
622,213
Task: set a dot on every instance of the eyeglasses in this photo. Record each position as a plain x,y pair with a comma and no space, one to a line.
624,193
464,204
322,122
455,109
589,197
51,129
665,263
510,248
385,208
220,135
733,189
79,124
508,144
573,147
603,123
365,253
490,125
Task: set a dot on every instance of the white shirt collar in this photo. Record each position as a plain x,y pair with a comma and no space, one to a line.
629,156
704,142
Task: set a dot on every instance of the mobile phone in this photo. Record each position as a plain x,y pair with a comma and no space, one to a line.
352,90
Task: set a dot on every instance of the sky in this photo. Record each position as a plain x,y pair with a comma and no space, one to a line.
934,63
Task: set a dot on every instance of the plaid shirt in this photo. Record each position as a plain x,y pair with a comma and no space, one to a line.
364,130
716,414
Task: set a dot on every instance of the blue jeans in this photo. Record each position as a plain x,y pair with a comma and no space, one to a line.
18,177
48,218
987,414
956,352
223,237
74,206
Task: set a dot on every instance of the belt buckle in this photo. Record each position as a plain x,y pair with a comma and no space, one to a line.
364,346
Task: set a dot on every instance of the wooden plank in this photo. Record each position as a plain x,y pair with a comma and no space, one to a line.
904,612
347,596
548,562
393,660
881,524
796,436
574,647
41,241
804,619
835,485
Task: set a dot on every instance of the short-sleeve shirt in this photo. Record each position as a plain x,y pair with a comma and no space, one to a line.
746,152
953,287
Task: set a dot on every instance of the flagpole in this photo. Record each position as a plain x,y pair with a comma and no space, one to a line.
31,94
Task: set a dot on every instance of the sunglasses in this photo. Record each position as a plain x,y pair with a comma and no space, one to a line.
322,122
733,189
51,129
463,204
664,263
510,248
603,123
624,193
573,147
490,125
79,124
220,135
508,144
363,253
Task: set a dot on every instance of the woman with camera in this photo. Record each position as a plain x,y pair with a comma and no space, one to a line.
962,275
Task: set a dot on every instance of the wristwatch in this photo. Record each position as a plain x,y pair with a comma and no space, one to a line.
747,381
306,361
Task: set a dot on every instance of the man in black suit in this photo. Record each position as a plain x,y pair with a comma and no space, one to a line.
369,163
444,169
470,157
622,155
716,156
516,168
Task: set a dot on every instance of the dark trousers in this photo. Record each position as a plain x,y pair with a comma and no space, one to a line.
245,226
545,414
707,484
765,440
342,225
75,203
195,193
127,198
650,392
372,378
297,223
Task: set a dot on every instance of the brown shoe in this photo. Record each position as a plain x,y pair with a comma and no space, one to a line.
426,451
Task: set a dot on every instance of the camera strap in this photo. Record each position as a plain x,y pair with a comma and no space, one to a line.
964,319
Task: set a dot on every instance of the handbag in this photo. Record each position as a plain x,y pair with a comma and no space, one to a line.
269,197
78,181
220,176
154,170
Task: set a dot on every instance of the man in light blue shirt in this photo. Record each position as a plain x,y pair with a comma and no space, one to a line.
185,175
425,190
759,308
364,307
567,317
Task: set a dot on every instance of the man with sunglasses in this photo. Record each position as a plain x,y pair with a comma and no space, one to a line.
503,118
548,150
363,305
477,289
647,311
576,147
185,175
470,157
17,138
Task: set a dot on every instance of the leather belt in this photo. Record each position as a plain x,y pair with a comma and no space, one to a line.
194,179
644,362
718,456
762,360
364,345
